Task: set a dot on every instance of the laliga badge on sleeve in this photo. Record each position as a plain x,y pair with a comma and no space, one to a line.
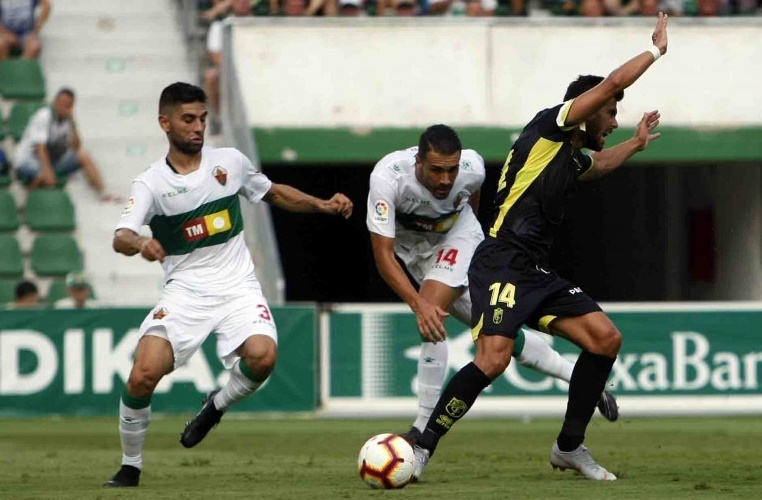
381,212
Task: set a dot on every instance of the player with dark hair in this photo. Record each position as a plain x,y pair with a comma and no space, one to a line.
509,278
422,208
190,198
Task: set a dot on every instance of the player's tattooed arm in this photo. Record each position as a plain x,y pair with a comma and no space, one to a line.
289,198
129,243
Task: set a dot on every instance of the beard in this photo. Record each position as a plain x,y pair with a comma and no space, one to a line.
593,142
187,147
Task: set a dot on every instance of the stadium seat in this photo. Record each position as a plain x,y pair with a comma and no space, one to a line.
7,291
55,255
9,219
11,259
57,291
21,112
21,79
49,210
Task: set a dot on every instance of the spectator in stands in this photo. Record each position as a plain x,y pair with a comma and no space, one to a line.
20,25
79,293
51,147
239,8
624,7
591,8
27,295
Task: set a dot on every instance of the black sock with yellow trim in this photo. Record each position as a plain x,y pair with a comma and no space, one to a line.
585,387
456,399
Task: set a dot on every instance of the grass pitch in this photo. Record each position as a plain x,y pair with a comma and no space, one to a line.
291,458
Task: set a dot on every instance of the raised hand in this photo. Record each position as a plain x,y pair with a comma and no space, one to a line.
644,132
659,37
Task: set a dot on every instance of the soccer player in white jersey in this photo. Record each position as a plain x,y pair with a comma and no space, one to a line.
190,200
421,207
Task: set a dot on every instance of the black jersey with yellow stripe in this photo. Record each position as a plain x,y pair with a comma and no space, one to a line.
538,177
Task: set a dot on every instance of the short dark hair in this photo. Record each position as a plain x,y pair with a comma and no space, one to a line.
65,91
583,83
25,288
180,93
440,138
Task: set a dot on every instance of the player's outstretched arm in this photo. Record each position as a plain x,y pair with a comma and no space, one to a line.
625,75
428,316
611,158
291,199
129,243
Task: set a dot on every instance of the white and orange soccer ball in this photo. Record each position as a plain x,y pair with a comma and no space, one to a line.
386,461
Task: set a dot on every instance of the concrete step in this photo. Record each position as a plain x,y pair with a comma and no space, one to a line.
148,8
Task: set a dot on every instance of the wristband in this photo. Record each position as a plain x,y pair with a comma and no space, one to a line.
654,50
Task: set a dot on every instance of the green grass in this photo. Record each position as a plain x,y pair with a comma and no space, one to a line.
291,458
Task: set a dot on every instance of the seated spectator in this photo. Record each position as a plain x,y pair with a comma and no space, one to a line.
20,25
239,8
622,8
591,8
79,293
349,8
27,295
51,147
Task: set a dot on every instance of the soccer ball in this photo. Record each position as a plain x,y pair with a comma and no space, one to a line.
386,461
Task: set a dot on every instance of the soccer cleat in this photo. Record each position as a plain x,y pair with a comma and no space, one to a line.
125,477
197,429
580,460
608,407
422,456
412,436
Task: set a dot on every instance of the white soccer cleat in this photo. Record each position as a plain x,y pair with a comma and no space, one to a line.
580,460
422,456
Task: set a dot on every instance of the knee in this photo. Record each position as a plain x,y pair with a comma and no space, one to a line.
142,382
493,364
83,156
33,46
608,343
262,359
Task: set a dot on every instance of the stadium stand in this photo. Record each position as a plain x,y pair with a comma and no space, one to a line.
55,255
49,210
9,220
11,258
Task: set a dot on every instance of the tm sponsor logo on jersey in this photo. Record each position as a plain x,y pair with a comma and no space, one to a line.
203,227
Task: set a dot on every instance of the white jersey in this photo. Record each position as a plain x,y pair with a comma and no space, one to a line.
400,207
197,218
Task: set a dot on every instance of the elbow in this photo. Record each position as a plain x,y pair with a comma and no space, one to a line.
613,86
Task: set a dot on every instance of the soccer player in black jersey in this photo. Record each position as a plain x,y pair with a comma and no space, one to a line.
510,282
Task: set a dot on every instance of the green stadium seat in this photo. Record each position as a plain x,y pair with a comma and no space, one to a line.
55,255
5,180
21,79
7,291
9,219
57,291
11,259
49,210
21,112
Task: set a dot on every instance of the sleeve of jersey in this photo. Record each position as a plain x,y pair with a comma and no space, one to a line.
380,219
139,209
254,184
561,114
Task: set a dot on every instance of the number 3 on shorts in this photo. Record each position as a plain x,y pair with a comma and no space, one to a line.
264,312
503,292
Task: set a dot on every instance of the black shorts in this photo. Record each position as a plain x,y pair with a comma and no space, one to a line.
507,290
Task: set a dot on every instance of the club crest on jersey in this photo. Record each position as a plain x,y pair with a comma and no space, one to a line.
220,174
160,313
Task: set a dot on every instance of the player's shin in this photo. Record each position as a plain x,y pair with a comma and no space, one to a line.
533,352
432,368
587,382
242,382
134,416
457,398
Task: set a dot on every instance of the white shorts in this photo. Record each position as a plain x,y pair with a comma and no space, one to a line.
186,318
446,261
